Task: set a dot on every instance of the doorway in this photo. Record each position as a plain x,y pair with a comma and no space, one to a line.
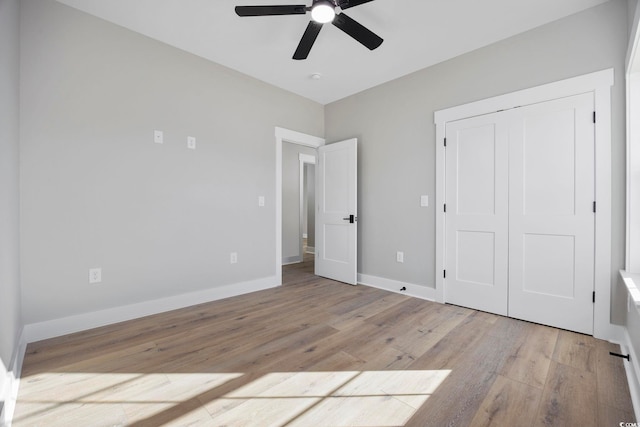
307,207
336,206
297,164
297,139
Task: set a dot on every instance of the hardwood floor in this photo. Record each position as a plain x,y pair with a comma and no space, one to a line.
319,353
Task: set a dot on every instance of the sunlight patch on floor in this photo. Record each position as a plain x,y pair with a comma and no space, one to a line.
369,398
109,398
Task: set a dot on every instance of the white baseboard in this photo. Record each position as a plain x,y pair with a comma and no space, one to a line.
80,322
10,381
291,260
632,370
310,250
412,290
6,382
11,384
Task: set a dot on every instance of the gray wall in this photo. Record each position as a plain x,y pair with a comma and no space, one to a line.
10,317
394,125
291,200
159,220
310,182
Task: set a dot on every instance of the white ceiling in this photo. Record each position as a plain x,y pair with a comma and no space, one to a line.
416,33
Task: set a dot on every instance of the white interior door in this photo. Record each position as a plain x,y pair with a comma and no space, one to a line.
551,218
477,214
520,191
337,211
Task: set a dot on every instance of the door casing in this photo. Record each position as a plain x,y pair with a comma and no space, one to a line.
599,83
520,220
286,135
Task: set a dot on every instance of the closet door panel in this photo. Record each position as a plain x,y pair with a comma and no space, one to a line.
477,223
551,219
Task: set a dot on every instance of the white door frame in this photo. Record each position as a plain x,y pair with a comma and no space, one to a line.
600,84
286,135
632,261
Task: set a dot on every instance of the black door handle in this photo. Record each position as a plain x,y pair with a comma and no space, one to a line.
351,219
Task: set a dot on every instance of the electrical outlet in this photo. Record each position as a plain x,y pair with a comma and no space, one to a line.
233,258
400,256
158,137
424,201
95,275
191,142
261,201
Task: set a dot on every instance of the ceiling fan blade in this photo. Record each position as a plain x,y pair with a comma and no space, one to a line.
346,4
291,9
308,38
357,31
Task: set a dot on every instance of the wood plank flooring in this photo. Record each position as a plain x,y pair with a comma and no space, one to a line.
319,353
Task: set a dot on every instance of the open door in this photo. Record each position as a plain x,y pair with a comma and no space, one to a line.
337,212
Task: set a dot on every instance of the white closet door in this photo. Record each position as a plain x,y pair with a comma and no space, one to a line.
551,219
477,213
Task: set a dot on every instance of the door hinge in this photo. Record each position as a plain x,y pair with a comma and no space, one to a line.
445,142
594,297
444,274
445,208
594,117
594,207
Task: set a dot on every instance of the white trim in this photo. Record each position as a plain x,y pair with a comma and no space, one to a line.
598,83
632,74
6,385
286,135
53,328
631,282
12,383
632,231
560,89
602,327
632,234
4,381
631,60
310,250
440,242
632,371
413,290
291,260
298,138
80,322
306,158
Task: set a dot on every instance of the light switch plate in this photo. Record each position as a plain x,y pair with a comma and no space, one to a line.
233,258
400,256
158,136
424,201
261,201
191,142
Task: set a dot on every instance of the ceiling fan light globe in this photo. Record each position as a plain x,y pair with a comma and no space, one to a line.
323,12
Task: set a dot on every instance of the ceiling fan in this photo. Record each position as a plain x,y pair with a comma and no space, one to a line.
322,12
